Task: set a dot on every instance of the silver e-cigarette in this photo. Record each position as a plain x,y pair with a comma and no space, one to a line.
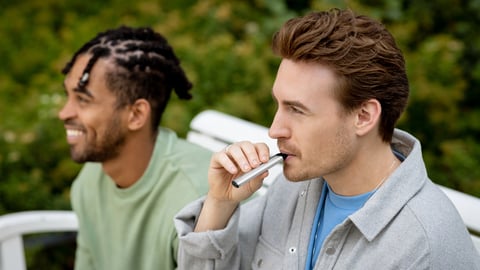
237,182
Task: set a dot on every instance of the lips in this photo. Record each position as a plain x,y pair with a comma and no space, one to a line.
73,135
286,153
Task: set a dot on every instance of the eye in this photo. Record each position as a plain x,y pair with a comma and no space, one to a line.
294,109
82,99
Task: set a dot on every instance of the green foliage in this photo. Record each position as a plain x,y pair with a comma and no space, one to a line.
225,48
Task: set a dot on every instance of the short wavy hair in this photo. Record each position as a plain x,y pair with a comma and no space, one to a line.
361,52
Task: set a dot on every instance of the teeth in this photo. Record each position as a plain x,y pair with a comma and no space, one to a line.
74,133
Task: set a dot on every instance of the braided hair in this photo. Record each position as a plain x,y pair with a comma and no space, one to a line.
146,67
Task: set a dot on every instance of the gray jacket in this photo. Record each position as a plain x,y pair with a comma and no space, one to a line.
408,223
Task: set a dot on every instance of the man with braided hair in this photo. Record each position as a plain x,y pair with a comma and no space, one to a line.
137,175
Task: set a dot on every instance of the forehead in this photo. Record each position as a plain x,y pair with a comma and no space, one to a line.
97,75
308,83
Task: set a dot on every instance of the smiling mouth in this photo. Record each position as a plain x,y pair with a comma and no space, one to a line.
74,135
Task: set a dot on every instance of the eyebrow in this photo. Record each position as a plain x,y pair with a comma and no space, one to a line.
296,104
83,90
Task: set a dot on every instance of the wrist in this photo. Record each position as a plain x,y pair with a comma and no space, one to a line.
215,214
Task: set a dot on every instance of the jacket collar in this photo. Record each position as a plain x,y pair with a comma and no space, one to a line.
397,190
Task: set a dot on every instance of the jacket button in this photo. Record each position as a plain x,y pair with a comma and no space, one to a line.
330,251
259,263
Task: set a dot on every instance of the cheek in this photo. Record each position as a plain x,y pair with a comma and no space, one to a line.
316,137
95,122
327,144
101,113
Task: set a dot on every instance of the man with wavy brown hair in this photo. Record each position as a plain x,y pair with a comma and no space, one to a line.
354,193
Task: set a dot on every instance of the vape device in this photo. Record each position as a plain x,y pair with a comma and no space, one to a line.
237,182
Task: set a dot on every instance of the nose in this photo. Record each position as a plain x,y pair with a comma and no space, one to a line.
278,128
67,111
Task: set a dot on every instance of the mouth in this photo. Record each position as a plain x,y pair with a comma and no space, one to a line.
74,132
73,135
286,155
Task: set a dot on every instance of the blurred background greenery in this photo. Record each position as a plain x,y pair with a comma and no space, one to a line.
225,48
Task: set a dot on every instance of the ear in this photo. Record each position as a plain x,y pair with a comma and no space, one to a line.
368,116
139,114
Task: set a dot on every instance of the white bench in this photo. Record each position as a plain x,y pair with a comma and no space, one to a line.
14,226
213,130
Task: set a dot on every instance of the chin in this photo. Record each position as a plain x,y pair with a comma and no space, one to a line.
292,176
78,160
78,157
297,176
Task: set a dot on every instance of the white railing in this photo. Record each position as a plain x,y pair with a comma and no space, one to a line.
14,226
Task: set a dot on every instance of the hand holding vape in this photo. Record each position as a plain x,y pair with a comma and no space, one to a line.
237,182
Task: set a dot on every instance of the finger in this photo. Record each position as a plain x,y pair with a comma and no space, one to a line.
242,153
221,160
227,148
250,151
263,152
257,182
247,155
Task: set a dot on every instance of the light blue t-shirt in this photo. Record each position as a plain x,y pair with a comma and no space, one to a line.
332,210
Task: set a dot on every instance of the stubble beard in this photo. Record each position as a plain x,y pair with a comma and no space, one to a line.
103,147
325,162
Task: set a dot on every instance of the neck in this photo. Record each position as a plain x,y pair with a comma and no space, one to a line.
132,162
367,171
